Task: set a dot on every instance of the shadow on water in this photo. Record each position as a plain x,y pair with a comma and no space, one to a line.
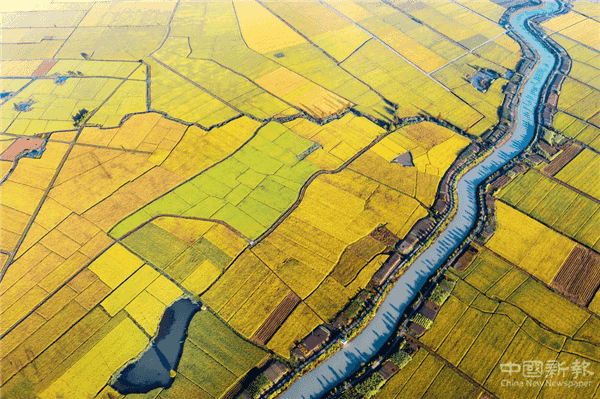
365,345
152,369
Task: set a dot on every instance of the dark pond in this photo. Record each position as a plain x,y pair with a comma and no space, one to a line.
152,369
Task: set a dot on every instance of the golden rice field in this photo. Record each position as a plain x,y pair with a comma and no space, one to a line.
495,315
230,88
254,18
582,173
555,205
178,168
529,244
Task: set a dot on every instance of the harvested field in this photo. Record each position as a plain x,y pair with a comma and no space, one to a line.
21,146
466,259
579,277
43,68
276,319
563,159
385,236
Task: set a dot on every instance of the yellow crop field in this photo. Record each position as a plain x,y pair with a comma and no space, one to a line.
546,257
117,69
13,224
127,99
202,277
102,14
113,209
584,32
21,197
439,158
254,18
59,243
340,43
164,290
326,299
302,321
529,244
199,149
486,8
594,306
17,68
182,100
25,35
563,21
350,9
415,52
78,229
229,242
146,310
516,234
118,168
259,306
90,373
130,43
187,230
131,288
301,92
115,265
582,173
229,87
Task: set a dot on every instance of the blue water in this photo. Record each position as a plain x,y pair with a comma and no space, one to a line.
152,369
347,361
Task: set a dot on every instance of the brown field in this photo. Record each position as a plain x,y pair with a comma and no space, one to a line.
43,68
276,319
385,236
20,146
562,159
579,277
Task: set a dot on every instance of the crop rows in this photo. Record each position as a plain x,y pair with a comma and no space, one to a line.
276,319
579,276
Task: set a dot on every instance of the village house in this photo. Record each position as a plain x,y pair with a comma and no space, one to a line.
312,343
388,266
275,371
388,370
416,234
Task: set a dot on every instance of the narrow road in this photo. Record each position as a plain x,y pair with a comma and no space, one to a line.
467,53
382,42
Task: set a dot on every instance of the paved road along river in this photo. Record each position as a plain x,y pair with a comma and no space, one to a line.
347,361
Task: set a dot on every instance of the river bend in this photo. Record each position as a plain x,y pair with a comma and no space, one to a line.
362,348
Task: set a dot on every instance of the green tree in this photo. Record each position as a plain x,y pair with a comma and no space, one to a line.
370,386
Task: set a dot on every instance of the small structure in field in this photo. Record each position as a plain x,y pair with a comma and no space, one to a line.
317,338
275,371
415,329
388,370
483,79
311,343
404,159
416,234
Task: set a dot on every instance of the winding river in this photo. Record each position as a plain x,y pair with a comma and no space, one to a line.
348,360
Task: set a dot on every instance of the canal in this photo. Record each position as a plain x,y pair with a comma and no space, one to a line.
349,359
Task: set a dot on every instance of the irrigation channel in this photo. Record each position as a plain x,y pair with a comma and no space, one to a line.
362,348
